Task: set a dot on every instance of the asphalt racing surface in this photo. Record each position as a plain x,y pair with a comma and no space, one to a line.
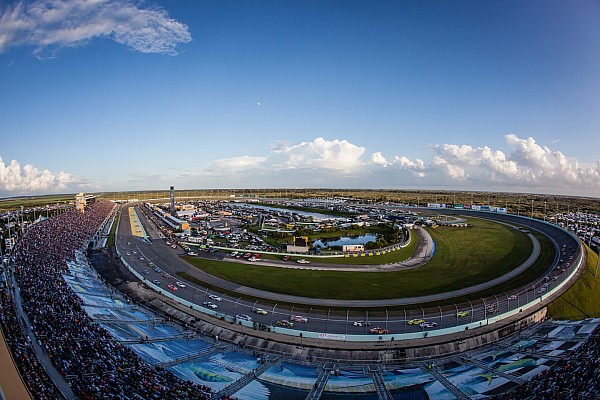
140,252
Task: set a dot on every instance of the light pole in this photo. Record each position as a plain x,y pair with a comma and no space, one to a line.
531,208
544,211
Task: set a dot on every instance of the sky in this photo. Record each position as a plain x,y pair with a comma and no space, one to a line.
117,95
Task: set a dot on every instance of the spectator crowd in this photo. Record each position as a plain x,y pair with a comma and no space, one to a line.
575,377
34,376
94,363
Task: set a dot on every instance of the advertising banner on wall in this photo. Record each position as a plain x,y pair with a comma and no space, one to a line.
436,205
332,336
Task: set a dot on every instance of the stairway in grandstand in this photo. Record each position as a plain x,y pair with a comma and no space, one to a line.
382,391
432,369
322,379
245,379
466,360
192,356
132,308
183,336
153,321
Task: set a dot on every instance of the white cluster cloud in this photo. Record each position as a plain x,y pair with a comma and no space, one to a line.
417,166
67,23
339,155
527,165
15,179
238,164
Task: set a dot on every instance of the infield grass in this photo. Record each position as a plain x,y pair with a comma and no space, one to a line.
464,257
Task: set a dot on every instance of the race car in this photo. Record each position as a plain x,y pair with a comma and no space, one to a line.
209,304
415,321
285,323
428,324
244,317
259,311
462,314
361,323
299,318
378,331
172,287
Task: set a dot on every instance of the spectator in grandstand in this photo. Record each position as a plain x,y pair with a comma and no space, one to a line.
96,365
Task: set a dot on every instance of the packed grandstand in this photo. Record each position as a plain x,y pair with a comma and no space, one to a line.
89,333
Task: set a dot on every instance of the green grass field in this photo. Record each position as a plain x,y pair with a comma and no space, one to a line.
465,257
582,300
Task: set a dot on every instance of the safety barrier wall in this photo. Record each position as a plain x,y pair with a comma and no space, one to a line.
536,302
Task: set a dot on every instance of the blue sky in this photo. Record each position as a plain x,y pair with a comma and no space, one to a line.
468,95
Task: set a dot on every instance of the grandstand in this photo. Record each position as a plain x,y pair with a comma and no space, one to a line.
104,345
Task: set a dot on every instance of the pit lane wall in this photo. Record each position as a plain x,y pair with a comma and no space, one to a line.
554,287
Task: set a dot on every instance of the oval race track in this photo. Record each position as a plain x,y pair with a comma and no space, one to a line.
335,322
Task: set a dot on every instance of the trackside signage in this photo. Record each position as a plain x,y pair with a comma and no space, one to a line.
332,336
